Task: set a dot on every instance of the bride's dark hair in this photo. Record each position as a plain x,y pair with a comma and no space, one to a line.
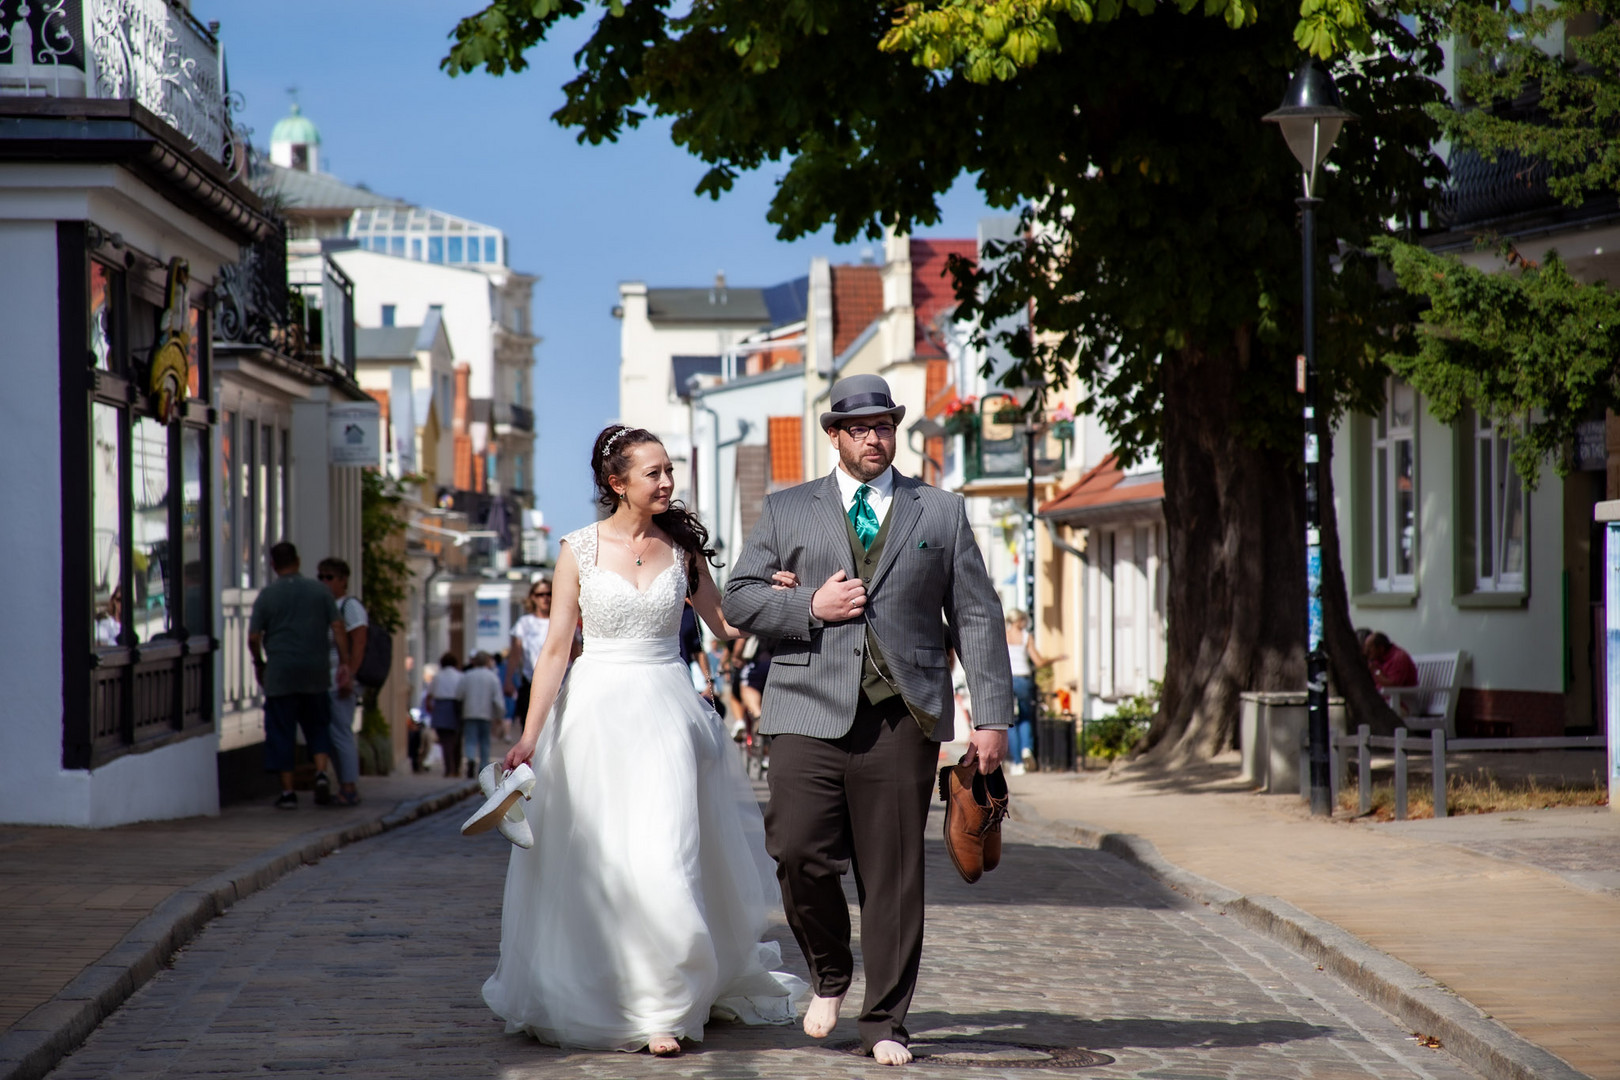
610,457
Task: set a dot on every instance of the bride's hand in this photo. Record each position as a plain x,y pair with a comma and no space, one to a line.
784,579
522,752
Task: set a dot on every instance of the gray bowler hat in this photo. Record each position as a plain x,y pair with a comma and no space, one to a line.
861,395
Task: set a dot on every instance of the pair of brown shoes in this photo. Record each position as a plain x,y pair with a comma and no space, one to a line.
975,803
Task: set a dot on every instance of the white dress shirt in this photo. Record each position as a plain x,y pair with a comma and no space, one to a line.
878,498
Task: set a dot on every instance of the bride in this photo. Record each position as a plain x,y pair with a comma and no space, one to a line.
639,910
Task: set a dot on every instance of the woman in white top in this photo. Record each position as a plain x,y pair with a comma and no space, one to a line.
444,706
1025,662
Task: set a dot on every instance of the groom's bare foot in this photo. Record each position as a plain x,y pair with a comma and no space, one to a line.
668,1046
889,1052
822,1016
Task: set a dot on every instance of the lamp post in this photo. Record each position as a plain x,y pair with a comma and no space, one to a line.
1310,118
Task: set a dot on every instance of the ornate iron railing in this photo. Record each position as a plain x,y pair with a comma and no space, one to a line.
253,305
149,51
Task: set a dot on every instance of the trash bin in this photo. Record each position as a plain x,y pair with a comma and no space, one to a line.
1054,743
1270,727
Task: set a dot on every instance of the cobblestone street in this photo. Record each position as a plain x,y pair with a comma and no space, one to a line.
370,963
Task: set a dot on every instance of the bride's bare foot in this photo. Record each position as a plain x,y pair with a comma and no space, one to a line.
889,1052
822,1016
669,1046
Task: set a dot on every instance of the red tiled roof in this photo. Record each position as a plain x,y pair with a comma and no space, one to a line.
1103,485
857,301
931,290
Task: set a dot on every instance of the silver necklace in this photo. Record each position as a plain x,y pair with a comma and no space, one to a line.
637,554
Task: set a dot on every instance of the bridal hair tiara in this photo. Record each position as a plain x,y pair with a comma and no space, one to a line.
616,436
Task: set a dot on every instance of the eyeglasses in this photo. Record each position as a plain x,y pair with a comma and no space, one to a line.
540,595
858,432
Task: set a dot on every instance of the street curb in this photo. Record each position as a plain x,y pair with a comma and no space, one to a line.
1422,1004
35,1044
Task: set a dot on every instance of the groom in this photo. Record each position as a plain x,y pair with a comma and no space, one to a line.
859,698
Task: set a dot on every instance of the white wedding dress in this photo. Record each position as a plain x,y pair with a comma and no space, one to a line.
639,910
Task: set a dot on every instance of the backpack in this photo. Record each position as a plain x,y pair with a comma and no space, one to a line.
373,667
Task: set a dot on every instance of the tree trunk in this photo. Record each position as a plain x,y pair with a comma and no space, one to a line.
1351,676
1235,522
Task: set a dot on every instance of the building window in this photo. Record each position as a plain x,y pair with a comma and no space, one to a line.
249,489
101,292
149,599
519,472
107,521
1394,491
196,618
436,249
416,248
1499,511
455,249
396,245
388,314
489,250
229,494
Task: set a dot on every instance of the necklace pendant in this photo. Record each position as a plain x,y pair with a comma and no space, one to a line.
638,562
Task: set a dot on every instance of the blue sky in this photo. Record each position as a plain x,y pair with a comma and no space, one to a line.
584,218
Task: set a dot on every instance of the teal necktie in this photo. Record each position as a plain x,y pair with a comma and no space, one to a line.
864,518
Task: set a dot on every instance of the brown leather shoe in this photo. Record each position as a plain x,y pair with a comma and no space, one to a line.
972,818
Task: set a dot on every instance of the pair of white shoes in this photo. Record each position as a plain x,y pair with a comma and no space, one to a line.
503,804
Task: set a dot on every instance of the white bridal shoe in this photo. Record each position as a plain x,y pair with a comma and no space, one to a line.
503,805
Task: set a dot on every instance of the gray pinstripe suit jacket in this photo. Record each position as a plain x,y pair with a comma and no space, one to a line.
929,590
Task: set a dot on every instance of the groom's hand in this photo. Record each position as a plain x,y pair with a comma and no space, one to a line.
987,747
839,600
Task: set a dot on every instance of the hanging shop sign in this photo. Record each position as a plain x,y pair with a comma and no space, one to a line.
354,434
170,370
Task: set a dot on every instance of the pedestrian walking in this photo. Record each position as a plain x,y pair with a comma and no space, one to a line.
859,699
444,707
293,621
334,574
527,635
1025,662
482,702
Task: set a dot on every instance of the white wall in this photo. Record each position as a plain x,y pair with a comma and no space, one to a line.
754,400
175,781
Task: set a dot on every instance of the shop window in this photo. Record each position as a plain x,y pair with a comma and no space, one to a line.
1395,491
249,488
195,619
230,493
107,521
101,317
149,524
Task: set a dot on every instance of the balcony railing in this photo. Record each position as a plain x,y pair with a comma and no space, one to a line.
507,415
307,316
149,51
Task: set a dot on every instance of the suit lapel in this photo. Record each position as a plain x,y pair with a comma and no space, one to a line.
904,510
830,512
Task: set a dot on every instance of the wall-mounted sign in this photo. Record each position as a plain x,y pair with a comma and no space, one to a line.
354,434
1591,455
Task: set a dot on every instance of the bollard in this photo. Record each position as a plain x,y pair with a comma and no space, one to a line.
1400,774
1437,756
1335,762
1364,769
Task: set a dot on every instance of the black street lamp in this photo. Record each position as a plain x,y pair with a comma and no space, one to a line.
1310,118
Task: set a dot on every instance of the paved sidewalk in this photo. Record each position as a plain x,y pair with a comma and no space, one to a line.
73,897
1517,913
370,964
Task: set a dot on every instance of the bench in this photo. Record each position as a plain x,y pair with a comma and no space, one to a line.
1431,705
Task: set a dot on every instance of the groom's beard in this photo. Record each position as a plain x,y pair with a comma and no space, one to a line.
858,464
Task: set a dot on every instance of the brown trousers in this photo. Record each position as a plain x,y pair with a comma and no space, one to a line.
861,801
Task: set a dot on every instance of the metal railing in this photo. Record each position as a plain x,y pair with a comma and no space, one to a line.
149,51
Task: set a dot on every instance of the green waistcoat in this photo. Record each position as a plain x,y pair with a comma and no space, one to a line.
876,683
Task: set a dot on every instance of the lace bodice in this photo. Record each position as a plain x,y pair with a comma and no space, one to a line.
612,607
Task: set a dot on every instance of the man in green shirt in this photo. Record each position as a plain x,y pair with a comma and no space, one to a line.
294,620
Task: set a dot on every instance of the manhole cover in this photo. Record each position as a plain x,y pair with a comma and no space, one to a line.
971,1053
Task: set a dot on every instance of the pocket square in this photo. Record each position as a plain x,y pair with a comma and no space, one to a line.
922,544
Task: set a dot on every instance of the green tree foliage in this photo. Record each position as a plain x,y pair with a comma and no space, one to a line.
386,575
1528,345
